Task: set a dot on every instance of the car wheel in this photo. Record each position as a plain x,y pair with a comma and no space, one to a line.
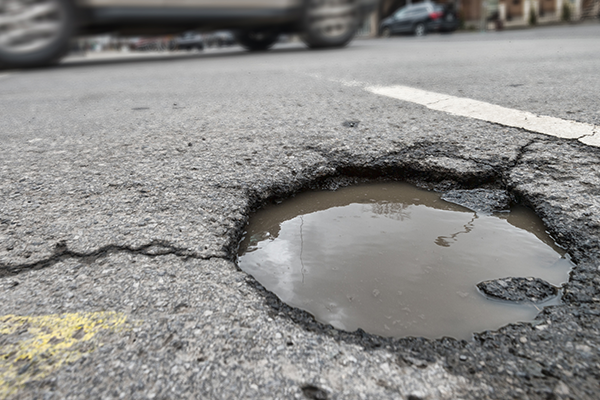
420,29
34,32
330,23
386,33
257,40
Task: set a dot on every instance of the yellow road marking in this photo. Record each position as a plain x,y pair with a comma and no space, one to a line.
32,347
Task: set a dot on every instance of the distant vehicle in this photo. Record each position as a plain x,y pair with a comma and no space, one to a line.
37,32
188,41
220,39
150,44
420,19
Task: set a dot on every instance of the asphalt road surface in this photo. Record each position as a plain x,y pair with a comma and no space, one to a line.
126,183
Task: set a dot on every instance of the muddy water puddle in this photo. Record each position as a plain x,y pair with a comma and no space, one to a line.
396,260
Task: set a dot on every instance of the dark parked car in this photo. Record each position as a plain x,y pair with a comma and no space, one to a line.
419,19
37,32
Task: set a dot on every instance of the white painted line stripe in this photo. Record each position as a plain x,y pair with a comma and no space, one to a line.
3,75
586,133
591,140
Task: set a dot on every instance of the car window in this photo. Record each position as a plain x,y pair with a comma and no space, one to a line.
411,11
401,12
416,11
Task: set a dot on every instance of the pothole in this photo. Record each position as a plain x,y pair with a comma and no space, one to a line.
399,261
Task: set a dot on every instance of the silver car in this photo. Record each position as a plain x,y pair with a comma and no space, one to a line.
37,32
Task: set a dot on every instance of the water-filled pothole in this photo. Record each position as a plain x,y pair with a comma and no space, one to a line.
396,260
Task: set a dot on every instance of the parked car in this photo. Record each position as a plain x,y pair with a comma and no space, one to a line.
37,32
188,41
419,19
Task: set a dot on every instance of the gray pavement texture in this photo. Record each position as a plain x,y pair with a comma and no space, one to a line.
126,186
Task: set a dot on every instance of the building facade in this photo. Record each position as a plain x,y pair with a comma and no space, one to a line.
514,13
484,14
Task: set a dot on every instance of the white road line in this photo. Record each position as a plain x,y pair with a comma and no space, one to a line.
592,140
586,133
3,75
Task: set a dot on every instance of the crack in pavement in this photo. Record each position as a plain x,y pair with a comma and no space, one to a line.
520,153
318,176
511,164
337,164
155,248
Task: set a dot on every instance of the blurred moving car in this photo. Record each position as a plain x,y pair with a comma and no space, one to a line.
187,41
37,32
419,19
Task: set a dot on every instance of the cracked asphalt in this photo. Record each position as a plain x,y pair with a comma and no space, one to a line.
126,185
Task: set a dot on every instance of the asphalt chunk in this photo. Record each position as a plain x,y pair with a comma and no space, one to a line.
534,290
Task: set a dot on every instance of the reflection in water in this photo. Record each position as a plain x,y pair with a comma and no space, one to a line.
379,257
445,241
397,211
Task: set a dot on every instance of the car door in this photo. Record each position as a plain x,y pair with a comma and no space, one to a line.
405,23
397,20
208,4
122,3
233,4
421,14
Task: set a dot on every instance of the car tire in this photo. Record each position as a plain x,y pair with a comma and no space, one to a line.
386,33
420,29
257,40
329,23
40,32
